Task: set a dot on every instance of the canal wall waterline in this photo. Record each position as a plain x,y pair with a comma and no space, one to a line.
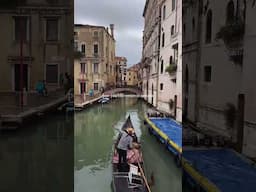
15,120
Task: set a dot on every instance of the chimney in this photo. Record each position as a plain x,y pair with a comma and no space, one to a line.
112,29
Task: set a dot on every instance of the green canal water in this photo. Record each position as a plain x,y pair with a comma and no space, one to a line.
95,130
38,156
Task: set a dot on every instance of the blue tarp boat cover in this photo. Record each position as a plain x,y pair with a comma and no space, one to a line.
171,128
225,168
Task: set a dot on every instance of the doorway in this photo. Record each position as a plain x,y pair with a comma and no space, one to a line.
17,77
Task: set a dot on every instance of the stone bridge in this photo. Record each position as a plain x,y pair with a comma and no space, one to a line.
116,91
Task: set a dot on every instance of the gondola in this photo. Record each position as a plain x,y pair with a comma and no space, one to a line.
133,179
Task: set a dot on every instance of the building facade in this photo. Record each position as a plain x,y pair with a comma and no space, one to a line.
95,66
170,62
121,67
162,56
133,76
36,44
217,70
150,52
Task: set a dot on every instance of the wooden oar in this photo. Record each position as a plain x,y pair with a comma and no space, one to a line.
144,178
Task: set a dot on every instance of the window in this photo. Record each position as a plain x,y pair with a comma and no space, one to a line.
184,32
82,87
164,12
207,73
21,28
172,30
208,36
193,25
173,4
95,33
95,48
83,48
161,86
170,60
163,39
96,68
230,13
96,86
162,66
83,68
52,29
76,46
51,73
129,79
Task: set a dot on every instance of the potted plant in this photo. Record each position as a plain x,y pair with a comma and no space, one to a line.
232,34
78,55
171,69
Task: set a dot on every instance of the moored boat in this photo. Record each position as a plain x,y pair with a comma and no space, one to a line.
132,177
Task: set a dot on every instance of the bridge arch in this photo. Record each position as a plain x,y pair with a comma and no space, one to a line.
116,91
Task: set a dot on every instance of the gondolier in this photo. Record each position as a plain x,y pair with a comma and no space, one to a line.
124,143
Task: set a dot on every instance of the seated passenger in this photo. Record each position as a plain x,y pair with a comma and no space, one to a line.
135,156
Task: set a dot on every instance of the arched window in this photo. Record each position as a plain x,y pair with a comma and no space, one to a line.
193,25
163,39
230,12
208,32
164,12
186,80
170,60
162,66
172,30
83,48
184,32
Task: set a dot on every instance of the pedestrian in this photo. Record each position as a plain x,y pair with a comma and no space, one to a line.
124,143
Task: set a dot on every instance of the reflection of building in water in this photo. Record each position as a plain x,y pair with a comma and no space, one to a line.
30,160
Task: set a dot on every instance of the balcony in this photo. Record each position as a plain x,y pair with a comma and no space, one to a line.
96,55
83,77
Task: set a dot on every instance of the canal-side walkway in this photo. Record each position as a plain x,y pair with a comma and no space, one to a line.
12,114
82,103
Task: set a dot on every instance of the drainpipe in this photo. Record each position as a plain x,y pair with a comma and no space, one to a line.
158,50
21,62
198,60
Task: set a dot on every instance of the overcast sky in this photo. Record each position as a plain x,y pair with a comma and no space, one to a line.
128,20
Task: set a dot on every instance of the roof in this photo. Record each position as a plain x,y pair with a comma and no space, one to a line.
120,58
145,8
93,26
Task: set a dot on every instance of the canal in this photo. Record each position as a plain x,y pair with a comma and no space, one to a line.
95,130
39,156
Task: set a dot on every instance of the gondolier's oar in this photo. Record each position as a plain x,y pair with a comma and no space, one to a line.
145,179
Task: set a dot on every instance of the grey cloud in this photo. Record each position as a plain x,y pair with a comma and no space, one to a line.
127,17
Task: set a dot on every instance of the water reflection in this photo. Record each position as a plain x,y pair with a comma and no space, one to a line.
38,156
